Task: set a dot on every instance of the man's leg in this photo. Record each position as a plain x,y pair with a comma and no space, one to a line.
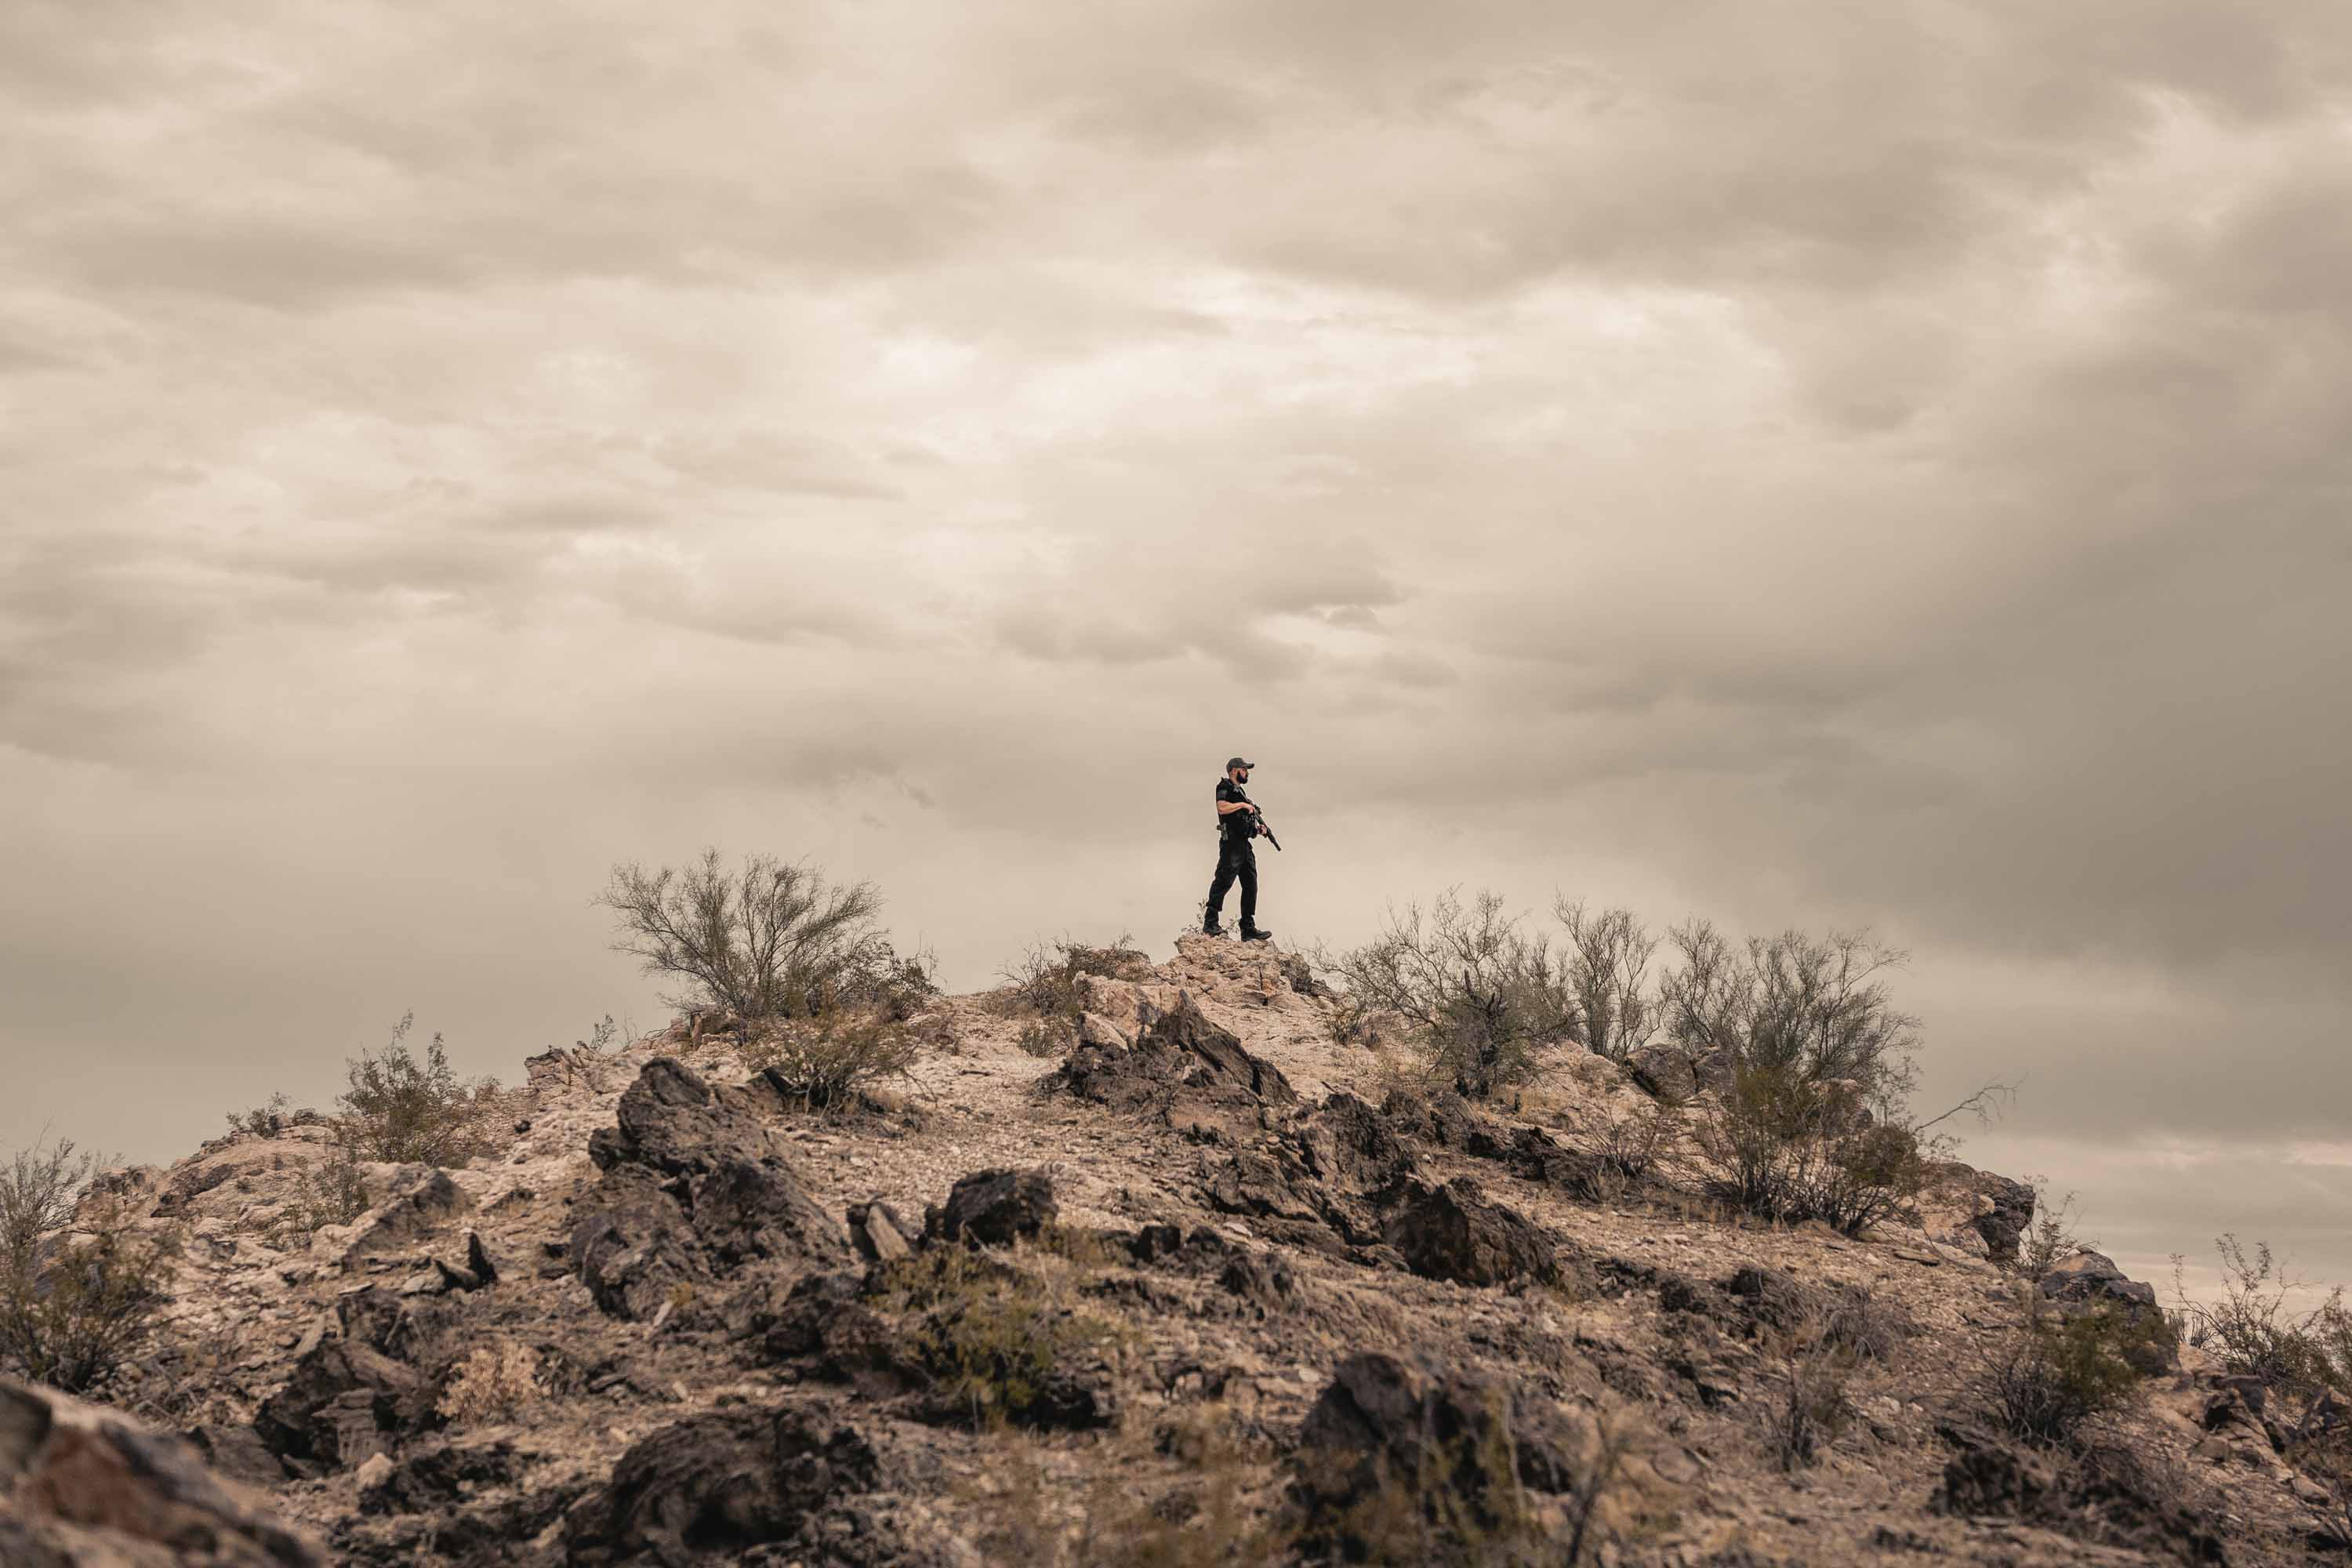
1219,886
1248,872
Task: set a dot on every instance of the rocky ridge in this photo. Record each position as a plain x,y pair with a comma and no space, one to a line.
679,1318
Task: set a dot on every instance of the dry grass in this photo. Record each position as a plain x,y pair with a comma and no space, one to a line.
491,1385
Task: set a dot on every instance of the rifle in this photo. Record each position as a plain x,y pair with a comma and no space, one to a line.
1263,828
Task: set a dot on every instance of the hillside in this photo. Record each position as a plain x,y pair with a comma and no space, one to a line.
1201,1289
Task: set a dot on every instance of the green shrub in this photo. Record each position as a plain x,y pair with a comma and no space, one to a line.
994,1335
2253,1328
827,1058
1791,1148
405,1109
330,1192
2049,1376
70,1309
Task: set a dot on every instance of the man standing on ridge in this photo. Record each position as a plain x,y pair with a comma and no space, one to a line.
1237,860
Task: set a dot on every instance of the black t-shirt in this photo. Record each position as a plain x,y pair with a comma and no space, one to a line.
1239,824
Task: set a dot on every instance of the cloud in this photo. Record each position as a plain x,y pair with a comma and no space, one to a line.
1833,465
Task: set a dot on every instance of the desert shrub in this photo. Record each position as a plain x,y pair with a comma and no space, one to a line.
826,1059
999,1337
1632,1148
2053,1234
330,1192
1812,1406
1867,1327
2046,1379
71,1307
269,1120
1606,960
769,938
1815,1009
1205,1516
2253,1329
409,1109
1792,1147
1044,980
1476,994
1042,985
490,1383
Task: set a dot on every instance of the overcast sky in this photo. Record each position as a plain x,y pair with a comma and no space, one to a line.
1808,464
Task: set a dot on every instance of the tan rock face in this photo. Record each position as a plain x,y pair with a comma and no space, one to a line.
82,1486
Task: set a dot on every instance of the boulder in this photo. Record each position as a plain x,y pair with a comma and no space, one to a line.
1183,1071
2089,1282
1453,1232
1665,1072
878,1234
344,1402
1449,1455
994,1208
696,1187
82,1486
714,1486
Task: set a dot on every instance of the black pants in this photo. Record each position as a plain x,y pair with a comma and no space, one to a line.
1236,862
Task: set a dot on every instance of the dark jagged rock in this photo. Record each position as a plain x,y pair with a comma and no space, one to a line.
82,1486
1182,1071
1444,1450
708,1486
695,1188
1260,1277
1453,1232
1665,1071
825,1322
1444,1119
344,1402
1987,1475
994,1208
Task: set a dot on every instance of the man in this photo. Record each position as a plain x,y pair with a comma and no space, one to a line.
1237,860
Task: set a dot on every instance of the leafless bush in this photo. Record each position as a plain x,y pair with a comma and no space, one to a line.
405,1107
1044,980
1606,962
1632,1148
1477,993
1812,1406
1812,1009
2051,1235
2252,1327
770,939
827,1058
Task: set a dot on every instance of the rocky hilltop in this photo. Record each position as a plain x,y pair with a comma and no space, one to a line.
1200,1287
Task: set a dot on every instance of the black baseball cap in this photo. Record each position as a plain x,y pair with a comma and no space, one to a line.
1233,762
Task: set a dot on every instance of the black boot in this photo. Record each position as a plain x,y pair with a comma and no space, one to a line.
1251,934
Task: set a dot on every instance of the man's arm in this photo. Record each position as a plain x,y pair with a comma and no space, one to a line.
1227,807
